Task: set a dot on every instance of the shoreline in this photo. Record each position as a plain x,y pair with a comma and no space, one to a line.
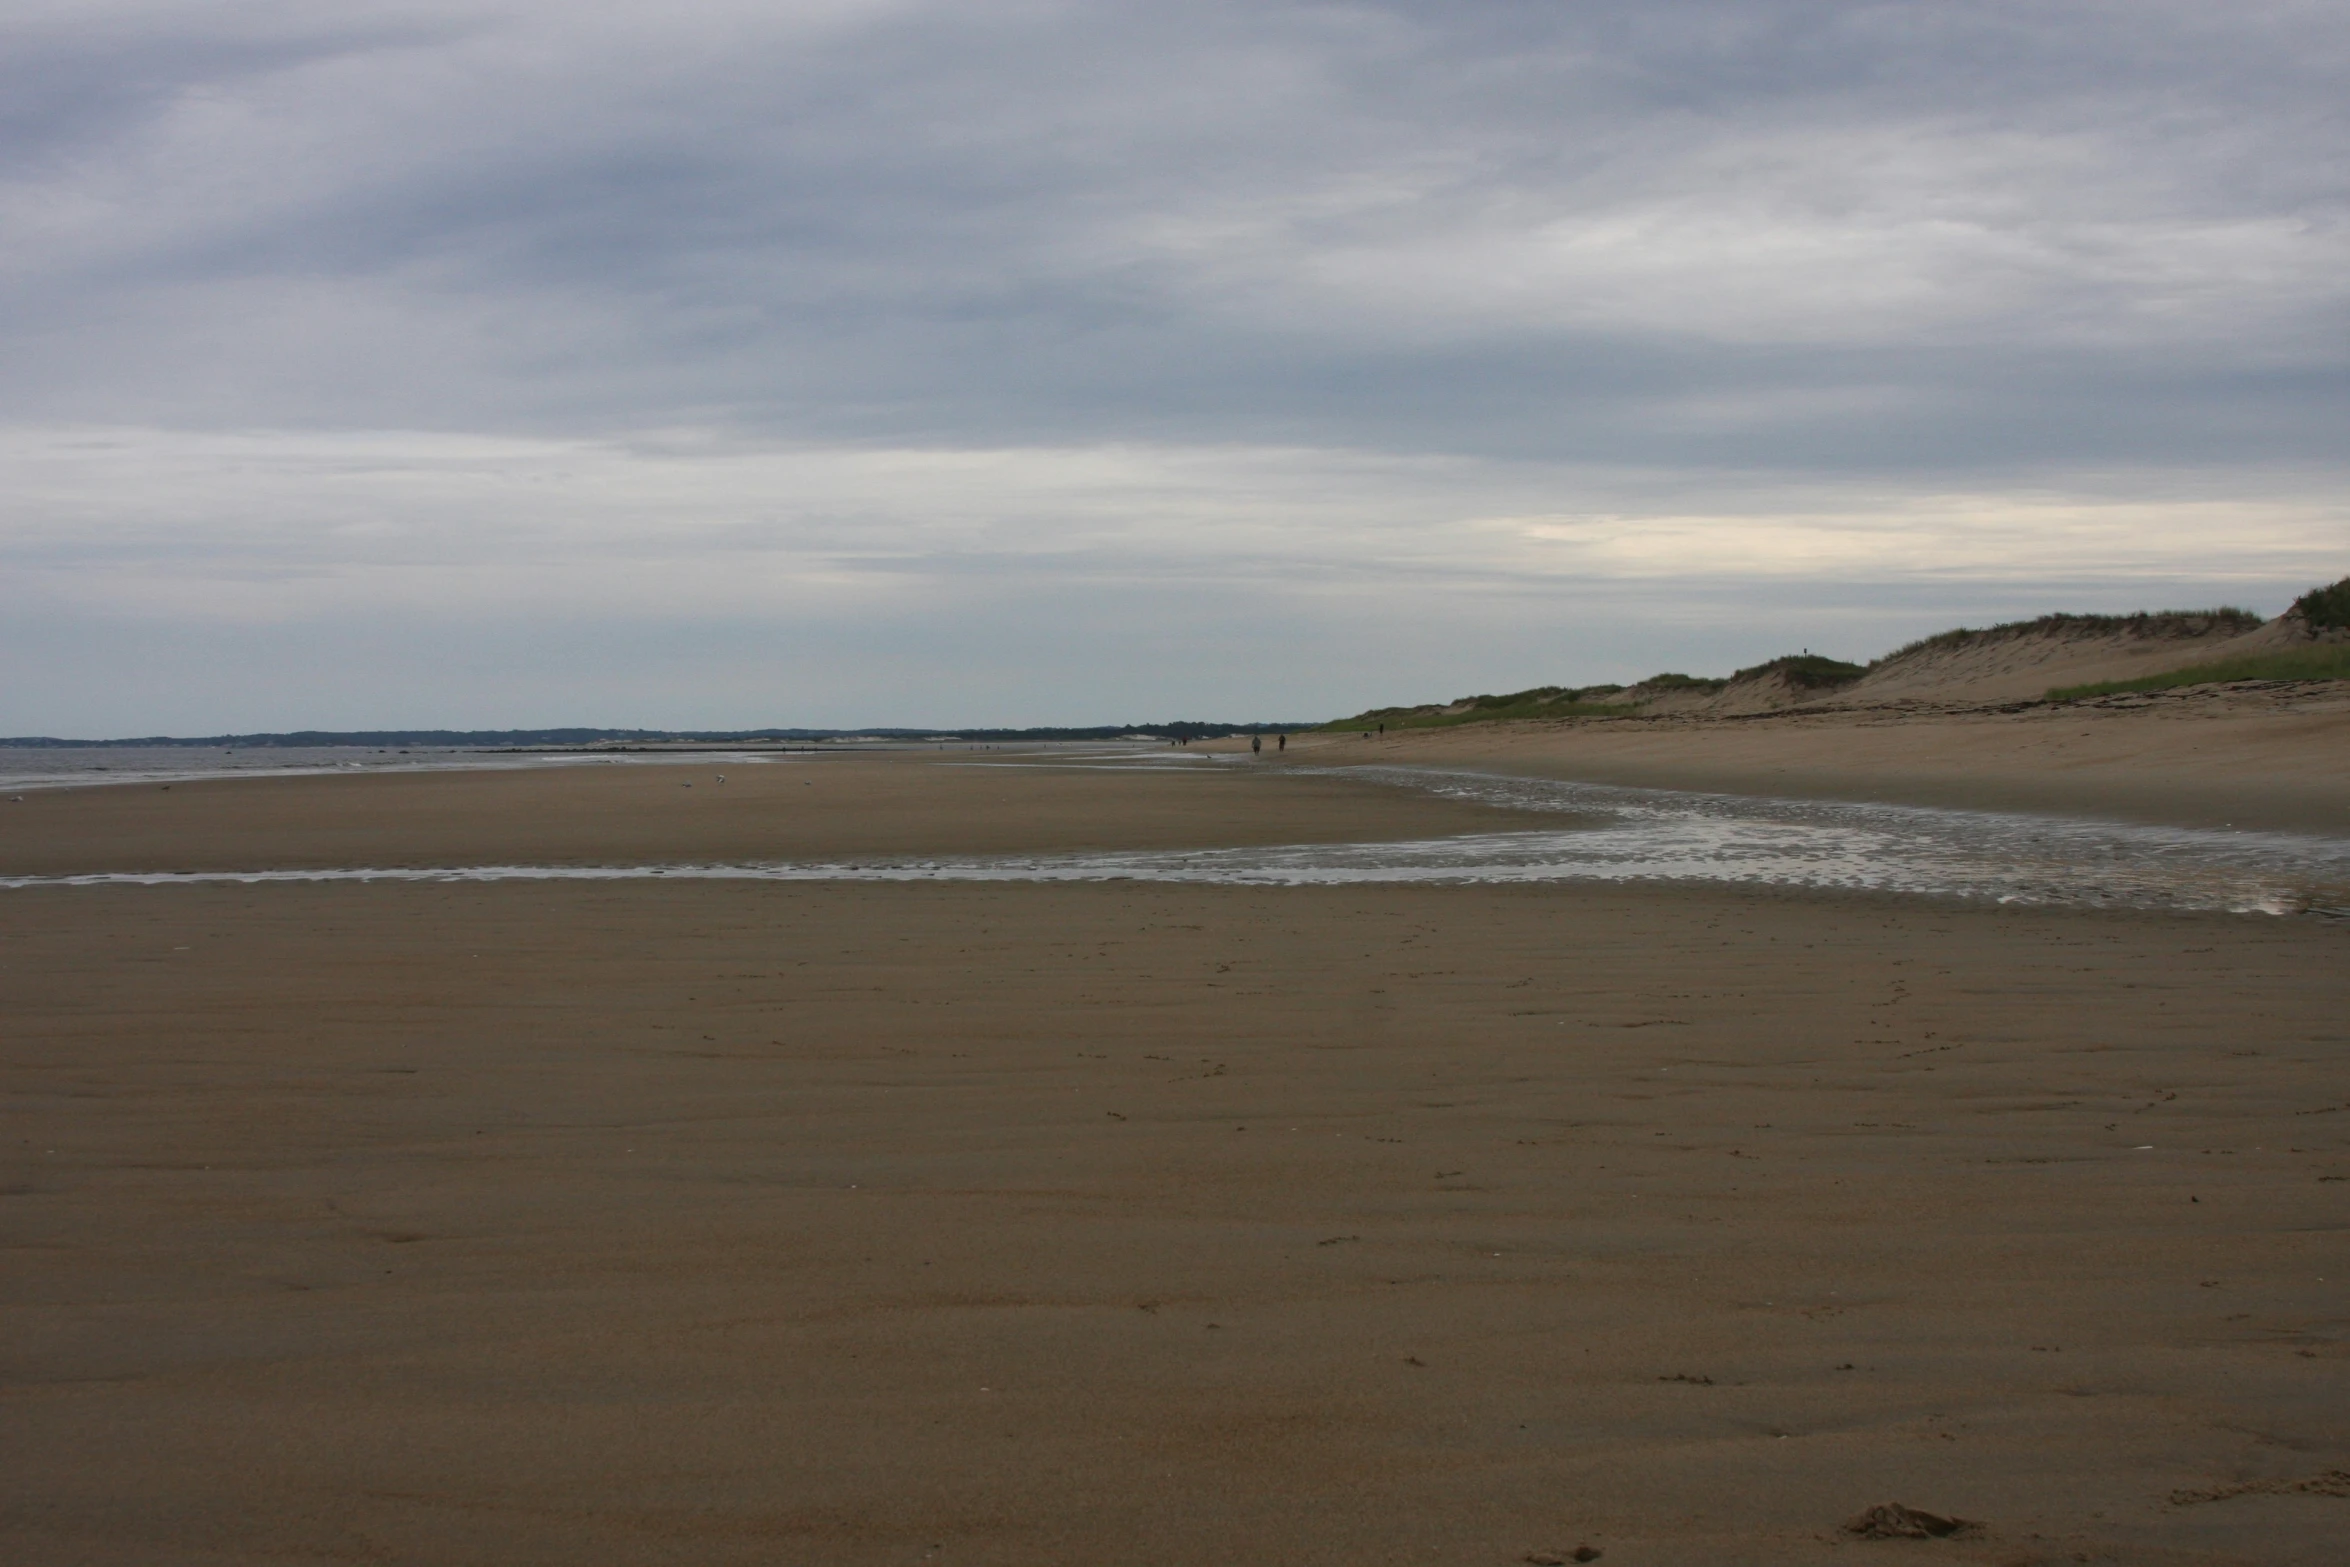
484,759
651,813
923,818
1342,818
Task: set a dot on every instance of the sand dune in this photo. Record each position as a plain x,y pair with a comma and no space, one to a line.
2024,664
2017,662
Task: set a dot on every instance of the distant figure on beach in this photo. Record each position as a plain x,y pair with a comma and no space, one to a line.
1284,745
1256,743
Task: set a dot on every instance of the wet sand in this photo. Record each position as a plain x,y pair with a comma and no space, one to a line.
718,1223
827,808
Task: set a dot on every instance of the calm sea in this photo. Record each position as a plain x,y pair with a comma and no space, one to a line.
50,767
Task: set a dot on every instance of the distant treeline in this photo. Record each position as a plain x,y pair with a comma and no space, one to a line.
509,738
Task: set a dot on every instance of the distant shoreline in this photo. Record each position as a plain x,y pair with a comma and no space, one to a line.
1182,729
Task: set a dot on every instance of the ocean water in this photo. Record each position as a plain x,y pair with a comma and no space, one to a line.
81,766
1597,833
63,766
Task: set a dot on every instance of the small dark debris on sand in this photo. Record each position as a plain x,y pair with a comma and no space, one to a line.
1892,1521
1581,1553
2334,1482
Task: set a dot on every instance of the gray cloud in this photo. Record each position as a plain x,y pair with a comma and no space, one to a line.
1601,258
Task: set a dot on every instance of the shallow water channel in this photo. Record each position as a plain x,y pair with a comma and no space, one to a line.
1596,832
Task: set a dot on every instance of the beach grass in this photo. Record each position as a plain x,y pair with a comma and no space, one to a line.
1805,671
2326,606
2329,661
1539,702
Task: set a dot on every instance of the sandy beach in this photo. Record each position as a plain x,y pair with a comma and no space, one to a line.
831,808
2265,755
688,1222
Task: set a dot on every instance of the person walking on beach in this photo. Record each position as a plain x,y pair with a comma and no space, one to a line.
1256,743
1284,745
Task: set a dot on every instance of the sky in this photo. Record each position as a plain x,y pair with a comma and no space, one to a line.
736,363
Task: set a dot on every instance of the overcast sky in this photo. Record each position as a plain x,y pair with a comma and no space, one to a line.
405,363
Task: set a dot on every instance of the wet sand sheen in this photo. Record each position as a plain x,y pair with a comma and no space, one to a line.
1594,833
873,1223
835,807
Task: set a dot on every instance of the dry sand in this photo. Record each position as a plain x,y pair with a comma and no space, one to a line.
810,1223
2275,756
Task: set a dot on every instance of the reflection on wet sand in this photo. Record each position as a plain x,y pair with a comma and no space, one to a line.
1605,833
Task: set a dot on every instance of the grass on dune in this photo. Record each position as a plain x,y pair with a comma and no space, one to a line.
2319,608
1805,671
2326,606
1540,702
2330,661
1481,715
